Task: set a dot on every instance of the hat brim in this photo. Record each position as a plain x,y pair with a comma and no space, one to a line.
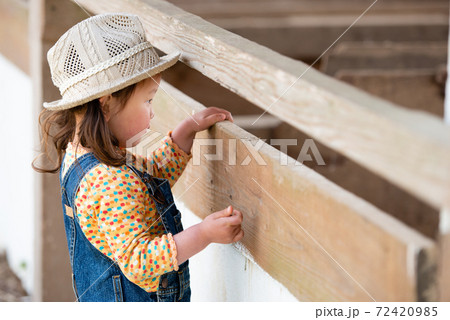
165,62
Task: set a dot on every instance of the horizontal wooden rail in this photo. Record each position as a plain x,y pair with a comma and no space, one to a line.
322,242
409,149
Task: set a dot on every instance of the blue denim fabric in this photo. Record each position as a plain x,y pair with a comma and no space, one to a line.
95,277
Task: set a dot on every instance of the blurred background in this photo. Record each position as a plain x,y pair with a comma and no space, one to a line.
398,50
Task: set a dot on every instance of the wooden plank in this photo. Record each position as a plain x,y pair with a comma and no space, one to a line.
414,89
13,33
410,149
364,183
307,37
320,241
361,181
384,56
252,8
49,19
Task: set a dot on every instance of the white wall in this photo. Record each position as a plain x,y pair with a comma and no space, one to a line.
16,186
228,273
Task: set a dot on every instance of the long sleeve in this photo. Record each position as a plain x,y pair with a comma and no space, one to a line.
168,161
120,219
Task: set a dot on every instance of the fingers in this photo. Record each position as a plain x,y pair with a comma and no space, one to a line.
216,117
228,116
224,213
227,225
236,218
239,236
221,113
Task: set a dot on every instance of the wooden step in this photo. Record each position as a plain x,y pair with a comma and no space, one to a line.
384,55
269,8
305,29
414,89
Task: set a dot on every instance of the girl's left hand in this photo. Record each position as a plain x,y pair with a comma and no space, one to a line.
184,133
208,117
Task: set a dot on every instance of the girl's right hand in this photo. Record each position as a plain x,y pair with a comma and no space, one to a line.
223,226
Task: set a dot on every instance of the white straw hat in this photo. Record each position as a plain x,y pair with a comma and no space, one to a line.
101,55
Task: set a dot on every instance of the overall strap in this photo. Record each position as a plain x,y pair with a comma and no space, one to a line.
75,174
159,190
152,184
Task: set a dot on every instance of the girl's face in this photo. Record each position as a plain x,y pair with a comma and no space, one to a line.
130,124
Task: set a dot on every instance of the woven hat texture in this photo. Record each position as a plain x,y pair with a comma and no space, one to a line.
101,55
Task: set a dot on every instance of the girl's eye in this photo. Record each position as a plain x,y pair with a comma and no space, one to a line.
149,101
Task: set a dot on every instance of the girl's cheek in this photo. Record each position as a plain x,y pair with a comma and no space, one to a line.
148,116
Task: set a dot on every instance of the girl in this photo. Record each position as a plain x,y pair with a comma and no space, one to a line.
124,234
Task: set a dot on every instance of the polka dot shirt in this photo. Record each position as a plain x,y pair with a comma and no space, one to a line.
119,217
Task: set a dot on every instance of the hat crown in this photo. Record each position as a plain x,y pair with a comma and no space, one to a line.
101,55
91,43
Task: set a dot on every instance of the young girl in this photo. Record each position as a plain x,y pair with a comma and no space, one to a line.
124,234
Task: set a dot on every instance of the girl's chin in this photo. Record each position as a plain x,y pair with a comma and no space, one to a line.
136,139
136,142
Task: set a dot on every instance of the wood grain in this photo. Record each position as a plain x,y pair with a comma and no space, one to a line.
409,149
287,8
320,241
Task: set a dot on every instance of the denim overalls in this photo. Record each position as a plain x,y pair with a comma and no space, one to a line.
95,277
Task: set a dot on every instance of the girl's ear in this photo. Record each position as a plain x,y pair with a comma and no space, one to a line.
104,105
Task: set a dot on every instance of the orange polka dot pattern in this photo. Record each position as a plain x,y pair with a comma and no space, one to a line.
119,217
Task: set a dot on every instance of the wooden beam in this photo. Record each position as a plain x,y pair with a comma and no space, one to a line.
49,19
304,29
307,37
322,242
409,149
416,89
268,8
13,33
364,183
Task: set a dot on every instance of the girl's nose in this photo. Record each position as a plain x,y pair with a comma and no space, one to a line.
152,114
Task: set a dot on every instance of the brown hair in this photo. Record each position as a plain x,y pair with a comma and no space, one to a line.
94,132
